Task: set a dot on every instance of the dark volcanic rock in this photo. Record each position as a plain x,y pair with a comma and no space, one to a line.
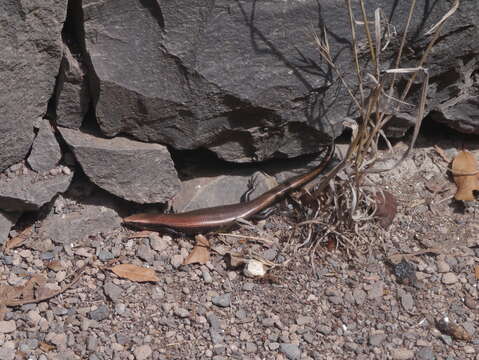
208,75
457,103
72,95
79,224
30,39
31,191
221,75
7,220
46,152
132,170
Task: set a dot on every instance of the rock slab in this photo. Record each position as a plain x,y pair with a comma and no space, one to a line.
72,97
78,225
30,39
132,170
31,191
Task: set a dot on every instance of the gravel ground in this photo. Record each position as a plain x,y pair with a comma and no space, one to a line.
363,308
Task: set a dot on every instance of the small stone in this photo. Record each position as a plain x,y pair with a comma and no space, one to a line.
105,255
159,243
402,354
468,349
34,317
92,343
377,339
251,347
176,261
182,313
144,252
142,352
268,322
324,329
303,320
100,314
60,340
309,338
213,320
120,308
7,326
425,353
273,346
376,291
291,351
222,300
113,291
407,301
207,278
7,353
359,296
443,267
449,278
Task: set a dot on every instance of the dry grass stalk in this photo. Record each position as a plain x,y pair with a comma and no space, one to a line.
349,196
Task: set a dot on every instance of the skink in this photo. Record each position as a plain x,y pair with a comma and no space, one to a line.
220,217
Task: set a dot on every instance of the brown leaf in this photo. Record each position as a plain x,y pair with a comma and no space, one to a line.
55,265
386,208
44,292
135,273
45,347
200,253
465,173
18,240
476,272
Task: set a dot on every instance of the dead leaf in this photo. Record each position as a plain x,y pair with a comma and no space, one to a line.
465,173
135,273
18,240
45,347
386,208
55,265
200,253
476,272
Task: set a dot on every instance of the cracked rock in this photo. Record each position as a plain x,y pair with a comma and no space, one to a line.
75,226
31,191
133,170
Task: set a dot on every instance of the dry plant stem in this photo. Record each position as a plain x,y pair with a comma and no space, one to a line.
355,52
403,43
253,238
368,32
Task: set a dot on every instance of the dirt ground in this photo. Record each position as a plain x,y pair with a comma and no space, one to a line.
412,296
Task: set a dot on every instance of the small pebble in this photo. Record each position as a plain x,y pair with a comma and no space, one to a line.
7,326
182,313
402,354
222,300
176,261
443,267
449,278
100,314
291,351
407,301
142,352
